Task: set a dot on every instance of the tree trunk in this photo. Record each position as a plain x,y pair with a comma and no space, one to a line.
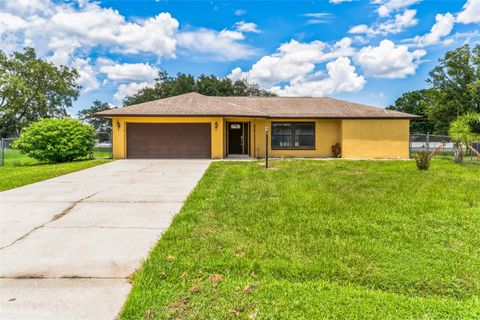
457,151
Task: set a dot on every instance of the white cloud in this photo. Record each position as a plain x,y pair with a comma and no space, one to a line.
63,30
128,77
223,45
388,60
319,17
129,89
341,77
129,71
401,22
396,25
86,72
243,26
442,27
470,13
291,70
66,32
361,29
388,6
338,1
27,7
293,60
11,23
49,26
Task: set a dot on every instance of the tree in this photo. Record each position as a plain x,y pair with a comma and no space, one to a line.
32,89
455,86
464,130
99,124
166,86
416,102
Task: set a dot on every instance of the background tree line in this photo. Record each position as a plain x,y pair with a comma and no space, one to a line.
166,86
454,90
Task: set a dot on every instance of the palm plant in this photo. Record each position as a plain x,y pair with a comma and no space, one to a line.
465,130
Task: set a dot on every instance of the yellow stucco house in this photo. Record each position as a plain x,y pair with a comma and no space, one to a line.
197,126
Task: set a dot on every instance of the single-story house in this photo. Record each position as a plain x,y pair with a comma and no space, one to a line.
196,126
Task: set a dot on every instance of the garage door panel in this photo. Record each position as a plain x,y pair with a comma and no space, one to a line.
168,140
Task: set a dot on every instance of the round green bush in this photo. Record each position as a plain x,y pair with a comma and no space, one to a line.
56,140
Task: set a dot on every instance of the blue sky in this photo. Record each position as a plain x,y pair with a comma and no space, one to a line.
363,51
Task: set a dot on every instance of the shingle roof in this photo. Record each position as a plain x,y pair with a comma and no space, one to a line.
195,104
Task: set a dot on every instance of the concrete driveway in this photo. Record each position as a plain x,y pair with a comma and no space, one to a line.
68,244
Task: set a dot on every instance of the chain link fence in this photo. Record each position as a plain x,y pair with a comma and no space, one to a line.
10,155
443,145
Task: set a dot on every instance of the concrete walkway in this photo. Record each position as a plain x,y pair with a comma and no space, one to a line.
68,244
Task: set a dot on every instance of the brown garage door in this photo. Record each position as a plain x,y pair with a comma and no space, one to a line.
168,140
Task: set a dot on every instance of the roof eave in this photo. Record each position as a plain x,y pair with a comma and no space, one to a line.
409,117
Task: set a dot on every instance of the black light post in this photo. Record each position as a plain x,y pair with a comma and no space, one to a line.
266,147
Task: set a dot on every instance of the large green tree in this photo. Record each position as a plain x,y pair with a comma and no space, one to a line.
455,84
416,102
87,115
167,86
32,89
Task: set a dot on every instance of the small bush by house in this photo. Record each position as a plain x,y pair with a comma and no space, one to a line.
423,160
57,140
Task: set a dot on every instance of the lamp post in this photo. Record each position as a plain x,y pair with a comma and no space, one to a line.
266,147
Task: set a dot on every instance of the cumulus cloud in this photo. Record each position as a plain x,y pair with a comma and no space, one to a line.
86,72
388,60
128,71
442,28
338,1
243,26
398,24
388,6
291,70
50,26
65,33
341,77
223,45
470,13
292,60
129,89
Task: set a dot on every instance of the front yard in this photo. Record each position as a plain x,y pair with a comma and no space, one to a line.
319,240
20,170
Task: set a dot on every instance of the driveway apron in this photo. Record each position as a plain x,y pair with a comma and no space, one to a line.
69,244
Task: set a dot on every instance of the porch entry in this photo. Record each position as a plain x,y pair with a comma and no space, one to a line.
238,134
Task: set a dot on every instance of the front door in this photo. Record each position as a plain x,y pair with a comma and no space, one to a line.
237,138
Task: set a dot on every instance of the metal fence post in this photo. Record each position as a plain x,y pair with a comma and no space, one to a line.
3,152
266,147
428,142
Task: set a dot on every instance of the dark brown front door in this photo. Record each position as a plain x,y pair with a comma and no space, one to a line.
238,138
168,140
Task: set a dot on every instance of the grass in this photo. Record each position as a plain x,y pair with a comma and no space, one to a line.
319,240
20,170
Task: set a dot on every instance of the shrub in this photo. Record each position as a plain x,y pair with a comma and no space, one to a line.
336,150
423,160
56,140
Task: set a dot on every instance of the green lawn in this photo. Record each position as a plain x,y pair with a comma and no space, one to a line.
319,240
20,170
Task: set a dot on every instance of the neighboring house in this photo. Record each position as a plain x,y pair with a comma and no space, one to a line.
197,126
